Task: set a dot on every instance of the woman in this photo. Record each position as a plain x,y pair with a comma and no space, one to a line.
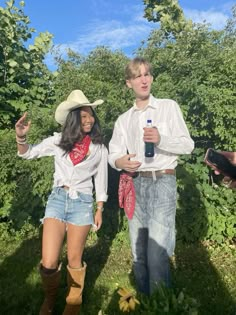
79,156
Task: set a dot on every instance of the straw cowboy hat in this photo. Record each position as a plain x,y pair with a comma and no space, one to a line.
74,100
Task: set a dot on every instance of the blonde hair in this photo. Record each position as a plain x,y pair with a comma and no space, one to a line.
133,67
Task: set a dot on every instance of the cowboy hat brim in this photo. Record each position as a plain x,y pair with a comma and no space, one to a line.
65,107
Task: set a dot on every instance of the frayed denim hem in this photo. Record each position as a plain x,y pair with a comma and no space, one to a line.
61,220
72,223
64,221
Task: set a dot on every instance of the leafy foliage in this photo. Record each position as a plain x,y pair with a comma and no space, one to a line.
206,209
167,301
25,85
97,79
197,68
24,184
24,78
168,13
192,64
162,301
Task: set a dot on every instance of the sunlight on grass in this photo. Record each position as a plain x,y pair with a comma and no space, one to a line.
196,268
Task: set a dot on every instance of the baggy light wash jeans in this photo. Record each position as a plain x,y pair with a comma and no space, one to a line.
152,231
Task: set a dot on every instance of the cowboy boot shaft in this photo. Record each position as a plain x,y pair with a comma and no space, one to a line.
75,280
50,286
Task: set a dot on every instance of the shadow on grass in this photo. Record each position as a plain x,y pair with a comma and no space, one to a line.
192,269
20,290
96,256
195,272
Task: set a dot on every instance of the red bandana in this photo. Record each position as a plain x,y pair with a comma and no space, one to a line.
80,150
126,193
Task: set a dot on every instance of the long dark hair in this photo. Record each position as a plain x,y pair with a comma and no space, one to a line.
72,130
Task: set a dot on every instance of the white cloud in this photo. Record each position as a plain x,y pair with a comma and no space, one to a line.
124,32
114,34
129,28
227,6
216,19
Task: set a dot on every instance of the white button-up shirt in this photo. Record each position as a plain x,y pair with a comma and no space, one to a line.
77,177
128,135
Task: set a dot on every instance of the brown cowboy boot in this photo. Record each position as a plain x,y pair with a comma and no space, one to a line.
50,286
75,281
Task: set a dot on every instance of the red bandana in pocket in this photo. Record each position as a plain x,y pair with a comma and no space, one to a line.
126,194
80,150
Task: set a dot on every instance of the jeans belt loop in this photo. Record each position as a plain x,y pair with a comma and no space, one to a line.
154,176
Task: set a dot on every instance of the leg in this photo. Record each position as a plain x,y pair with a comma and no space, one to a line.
161,243
53,235
139,239
76,269
76,239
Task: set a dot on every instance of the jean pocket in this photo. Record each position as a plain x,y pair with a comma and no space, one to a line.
85,198
52,195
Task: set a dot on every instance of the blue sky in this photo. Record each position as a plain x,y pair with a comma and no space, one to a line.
83,25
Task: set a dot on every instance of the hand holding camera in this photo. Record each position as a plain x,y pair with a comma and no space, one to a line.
224,163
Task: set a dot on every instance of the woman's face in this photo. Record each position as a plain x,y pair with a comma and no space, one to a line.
87,119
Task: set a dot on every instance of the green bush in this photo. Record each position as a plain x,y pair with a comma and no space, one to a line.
24,184
206,209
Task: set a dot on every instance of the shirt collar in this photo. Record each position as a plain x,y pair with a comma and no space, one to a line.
151,103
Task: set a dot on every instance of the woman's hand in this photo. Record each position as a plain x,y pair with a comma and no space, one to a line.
22,126
98,219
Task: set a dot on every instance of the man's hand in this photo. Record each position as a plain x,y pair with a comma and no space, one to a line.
126,164
230,156
151,135
229,182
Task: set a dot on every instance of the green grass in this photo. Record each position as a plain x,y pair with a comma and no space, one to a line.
206,273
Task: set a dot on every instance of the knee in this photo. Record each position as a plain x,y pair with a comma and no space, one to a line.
74,260
49,264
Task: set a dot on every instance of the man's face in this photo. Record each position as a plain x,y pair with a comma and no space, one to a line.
141,83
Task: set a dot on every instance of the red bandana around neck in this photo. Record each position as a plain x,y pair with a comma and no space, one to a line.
80,150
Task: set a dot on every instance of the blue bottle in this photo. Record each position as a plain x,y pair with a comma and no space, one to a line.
149,146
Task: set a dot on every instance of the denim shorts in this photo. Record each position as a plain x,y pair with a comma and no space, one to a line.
75,211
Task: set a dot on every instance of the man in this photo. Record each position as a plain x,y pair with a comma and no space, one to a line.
152,227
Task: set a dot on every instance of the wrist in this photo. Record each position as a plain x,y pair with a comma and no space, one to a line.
20,137
21,140
100,208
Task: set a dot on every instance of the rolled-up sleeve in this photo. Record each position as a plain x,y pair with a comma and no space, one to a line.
117,146
101,177
44,148
179,140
